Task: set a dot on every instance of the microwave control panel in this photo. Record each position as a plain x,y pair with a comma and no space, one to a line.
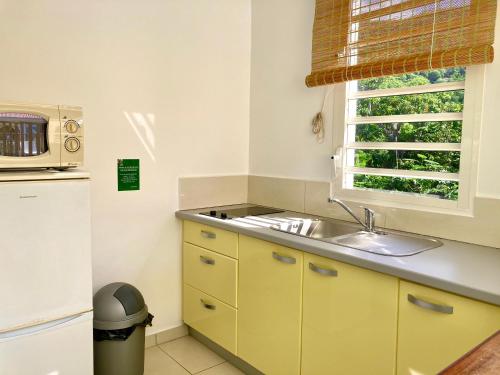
71,136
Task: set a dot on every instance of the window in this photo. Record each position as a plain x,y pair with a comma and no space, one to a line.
408,139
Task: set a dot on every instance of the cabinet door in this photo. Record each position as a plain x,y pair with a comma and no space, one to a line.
349,319
436,328
269,306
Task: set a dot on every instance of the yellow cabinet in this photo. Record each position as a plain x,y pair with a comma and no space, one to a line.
349,319
218,240
211,317
212,273
436,328
269,306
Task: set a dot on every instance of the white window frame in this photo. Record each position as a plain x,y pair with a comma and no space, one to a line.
469,146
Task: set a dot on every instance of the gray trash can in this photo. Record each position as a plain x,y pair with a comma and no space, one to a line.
120,318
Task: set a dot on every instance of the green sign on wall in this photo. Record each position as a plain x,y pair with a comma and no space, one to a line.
128,174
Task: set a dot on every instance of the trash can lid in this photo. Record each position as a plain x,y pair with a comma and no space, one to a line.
117,306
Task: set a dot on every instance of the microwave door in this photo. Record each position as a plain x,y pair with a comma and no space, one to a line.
29,140
23,138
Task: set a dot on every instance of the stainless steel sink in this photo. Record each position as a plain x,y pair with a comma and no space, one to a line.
352,235
328,229
316,228
384,243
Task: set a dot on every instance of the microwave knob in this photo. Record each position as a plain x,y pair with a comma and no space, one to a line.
71,126
72,144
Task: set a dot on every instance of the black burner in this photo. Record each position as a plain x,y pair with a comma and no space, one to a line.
241,212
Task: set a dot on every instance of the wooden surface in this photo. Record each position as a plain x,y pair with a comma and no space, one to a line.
483,359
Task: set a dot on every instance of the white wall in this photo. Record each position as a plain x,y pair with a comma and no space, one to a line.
281,109
179,70
489,168
281,106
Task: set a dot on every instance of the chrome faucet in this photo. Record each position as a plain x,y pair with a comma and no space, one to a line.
369,223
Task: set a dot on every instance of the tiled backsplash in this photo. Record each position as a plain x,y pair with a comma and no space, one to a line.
311,197
197,192
316,203
277,192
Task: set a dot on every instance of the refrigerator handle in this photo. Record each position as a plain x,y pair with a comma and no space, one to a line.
34,329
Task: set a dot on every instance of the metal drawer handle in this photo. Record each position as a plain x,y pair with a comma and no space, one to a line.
430,306
207,234
207,305
323,271
207,260
284,259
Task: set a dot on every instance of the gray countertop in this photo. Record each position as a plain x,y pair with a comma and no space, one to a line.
466,269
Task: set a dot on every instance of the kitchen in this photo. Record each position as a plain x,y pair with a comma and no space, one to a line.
212,89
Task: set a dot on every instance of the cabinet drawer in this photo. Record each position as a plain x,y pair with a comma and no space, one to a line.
436,328
210,272
218,240
211,317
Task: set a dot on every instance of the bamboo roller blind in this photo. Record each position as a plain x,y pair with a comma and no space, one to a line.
356,39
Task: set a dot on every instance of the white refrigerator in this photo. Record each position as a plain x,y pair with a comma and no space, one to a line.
45,277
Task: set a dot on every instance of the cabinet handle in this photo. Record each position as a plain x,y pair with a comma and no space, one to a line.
207,234
283,258
323,271
207,305
207,260
430,306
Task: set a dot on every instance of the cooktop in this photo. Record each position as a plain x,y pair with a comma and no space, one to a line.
241,212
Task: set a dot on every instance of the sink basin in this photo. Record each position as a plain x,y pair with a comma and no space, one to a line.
396,245
316,228
351,235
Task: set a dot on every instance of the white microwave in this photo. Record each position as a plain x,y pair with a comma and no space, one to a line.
40,136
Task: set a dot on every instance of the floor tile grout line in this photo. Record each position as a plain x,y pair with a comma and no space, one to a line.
192,373
218,364
169,341
173,359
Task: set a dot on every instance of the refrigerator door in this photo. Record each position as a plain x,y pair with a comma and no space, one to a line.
62,347
45,269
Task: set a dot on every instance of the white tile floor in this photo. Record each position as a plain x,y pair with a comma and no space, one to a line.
185,356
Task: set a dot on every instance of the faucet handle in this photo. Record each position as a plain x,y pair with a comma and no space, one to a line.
369,219
367,209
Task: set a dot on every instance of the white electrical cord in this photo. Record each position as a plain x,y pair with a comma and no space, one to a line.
333,175
333,170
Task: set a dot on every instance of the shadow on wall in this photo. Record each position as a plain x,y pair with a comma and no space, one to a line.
143,125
